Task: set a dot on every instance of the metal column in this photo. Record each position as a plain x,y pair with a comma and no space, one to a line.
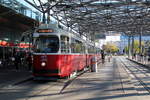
140,42
44,18
129,47
132,48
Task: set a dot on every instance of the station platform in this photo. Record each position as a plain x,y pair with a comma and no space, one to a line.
111,82
143,61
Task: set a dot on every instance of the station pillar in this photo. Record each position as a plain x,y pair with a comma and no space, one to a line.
132,48
94,64
140,47
140,43
129,47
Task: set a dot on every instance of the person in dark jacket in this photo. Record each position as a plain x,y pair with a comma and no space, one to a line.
17,61
103,56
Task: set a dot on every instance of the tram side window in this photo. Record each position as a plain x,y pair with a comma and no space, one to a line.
73,43
98,51
77,46
82,47
64,44
91,49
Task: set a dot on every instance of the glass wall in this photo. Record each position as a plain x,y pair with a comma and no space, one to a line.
21,8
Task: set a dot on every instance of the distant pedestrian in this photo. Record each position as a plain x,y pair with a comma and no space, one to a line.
103,56
109,57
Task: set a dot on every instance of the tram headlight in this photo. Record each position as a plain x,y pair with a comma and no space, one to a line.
43,64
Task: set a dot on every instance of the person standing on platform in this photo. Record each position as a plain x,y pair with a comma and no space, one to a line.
109,57
103,56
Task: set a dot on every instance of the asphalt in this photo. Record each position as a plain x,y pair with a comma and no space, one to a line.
10,76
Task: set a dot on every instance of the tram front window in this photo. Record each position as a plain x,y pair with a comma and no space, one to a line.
47,44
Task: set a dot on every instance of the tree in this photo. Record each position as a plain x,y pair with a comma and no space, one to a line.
111,48
136,48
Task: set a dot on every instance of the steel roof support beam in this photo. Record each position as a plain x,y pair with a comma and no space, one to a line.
140,41
102,15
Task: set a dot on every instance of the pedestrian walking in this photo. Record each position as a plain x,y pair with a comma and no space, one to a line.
109,57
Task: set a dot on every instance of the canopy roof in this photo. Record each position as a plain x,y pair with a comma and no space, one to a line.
88,17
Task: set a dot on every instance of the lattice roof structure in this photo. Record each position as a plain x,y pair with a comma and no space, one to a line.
88,17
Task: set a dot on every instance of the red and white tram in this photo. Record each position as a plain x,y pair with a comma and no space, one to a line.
58,53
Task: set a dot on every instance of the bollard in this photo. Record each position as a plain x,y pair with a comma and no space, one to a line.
94,64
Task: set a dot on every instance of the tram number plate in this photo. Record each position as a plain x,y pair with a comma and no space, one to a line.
44,58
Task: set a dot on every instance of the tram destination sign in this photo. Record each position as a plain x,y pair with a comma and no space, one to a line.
45,31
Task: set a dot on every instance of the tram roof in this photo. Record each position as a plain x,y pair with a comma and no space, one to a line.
88,17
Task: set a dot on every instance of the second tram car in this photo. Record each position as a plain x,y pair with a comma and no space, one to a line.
58,53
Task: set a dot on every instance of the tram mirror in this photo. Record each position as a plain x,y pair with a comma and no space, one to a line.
35,35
